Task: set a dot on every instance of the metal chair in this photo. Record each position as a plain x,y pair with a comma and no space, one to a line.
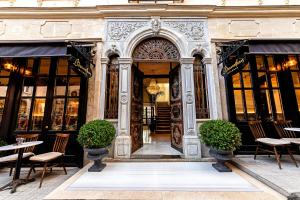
286,134
11,159
263,142
48,159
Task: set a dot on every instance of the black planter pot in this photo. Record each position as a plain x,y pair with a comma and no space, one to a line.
97,155
221,156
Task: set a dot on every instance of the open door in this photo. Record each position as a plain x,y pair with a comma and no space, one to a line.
136,118
176,109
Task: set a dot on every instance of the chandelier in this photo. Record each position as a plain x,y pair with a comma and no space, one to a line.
153,88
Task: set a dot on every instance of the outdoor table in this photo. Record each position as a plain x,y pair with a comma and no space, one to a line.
16,179
293,129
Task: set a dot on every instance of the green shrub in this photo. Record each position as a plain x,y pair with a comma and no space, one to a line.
96,134
220,134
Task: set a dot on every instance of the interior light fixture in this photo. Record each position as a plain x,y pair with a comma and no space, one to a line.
153,88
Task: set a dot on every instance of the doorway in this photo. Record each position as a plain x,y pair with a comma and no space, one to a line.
156,119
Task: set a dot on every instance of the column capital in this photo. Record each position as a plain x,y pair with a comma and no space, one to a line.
125,60
206,61
104,60
187,60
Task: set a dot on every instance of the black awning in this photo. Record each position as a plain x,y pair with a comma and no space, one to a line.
21,50
274,47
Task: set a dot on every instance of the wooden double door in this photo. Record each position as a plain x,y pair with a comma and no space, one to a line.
136,118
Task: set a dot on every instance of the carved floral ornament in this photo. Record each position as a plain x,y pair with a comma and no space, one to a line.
192,30
121,30
156,49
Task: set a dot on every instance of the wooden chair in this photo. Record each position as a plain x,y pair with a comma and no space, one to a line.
11,159
48,159
285,134
263,142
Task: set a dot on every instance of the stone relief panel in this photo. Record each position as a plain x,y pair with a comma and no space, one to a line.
52,29
192,30
244,28
120,30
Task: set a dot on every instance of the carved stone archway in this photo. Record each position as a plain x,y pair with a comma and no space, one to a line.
156,49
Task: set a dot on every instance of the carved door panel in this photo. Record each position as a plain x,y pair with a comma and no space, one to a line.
136,118
176,109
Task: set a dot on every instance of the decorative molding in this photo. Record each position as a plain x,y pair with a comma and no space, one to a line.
192,30
124,98
40,2
189,98
2,27
260,2
155,25
112,51
120,30
244,28
52,29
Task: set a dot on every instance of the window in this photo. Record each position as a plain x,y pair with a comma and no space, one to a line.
202,109
243,94
4,79
65,105
50,96
112,88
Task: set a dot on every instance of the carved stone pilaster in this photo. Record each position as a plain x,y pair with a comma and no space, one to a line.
123,140
104,62
191,141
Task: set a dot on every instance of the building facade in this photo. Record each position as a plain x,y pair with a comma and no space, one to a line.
177,43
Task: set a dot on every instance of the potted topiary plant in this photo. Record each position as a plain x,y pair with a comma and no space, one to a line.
223,138
96,136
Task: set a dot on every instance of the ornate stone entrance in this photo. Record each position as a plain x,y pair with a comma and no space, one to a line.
176,40
156,50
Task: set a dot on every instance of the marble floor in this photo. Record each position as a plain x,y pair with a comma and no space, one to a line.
156,144
162,181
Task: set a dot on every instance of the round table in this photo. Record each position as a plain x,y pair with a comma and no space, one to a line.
16,179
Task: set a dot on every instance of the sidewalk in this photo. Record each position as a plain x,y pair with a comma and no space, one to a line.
265,169
31,191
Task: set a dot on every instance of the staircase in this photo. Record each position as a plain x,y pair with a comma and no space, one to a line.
163,119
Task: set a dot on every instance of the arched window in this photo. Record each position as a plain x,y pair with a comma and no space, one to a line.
202,109
112,88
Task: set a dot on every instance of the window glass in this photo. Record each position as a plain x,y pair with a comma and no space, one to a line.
292,62
271,64
297,91
44,66
260,62
262,78
38,113
278,105
72,113
62,67
23,114
239,107
296,79
274,80
41,88
236,80
74,86
247,79
57,113
60,86
250,104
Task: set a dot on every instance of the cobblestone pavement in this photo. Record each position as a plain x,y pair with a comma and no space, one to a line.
31,191
286,181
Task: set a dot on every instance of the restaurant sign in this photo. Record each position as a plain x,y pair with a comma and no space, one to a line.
78,66
237,65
